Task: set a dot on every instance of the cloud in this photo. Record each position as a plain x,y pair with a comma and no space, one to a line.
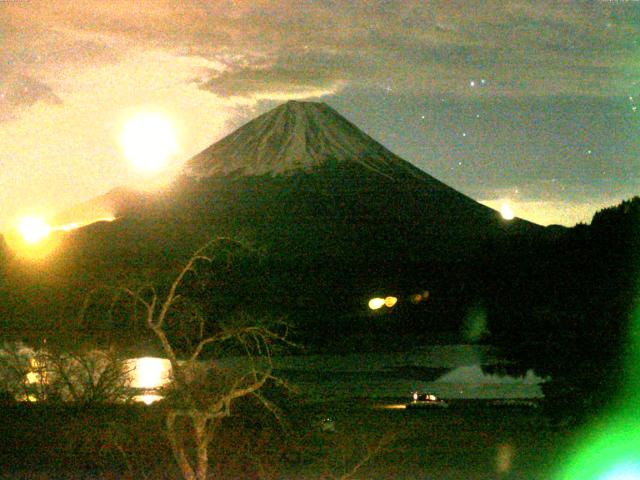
313,74
17,92
540,47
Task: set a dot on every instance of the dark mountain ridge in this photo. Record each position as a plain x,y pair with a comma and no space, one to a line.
316,195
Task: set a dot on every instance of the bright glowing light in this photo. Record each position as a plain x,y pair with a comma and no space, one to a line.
30,398
150,372
609,451
506,212
625,471
148,141
390,301
33,229
147,398
376,303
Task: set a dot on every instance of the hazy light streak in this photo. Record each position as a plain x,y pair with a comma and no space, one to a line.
75,225
398,406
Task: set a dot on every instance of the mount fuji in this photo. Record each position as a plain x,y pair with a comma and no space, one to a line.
325,202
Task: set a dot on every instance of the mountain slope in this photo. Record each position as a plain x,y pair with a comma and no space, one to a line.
304,166
333,211
305,184
296,136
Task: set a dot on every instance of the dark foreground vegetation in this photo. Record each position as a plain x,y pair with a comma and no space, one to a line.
465,441
560,302
565,306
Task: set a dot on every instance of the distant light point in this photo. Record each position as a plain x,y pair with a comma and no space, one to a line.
390,301
376,303
472,83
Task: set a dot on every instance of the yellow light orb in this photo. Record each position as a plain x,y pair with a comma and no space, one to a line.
148,140
390,301
506,212
33,229
376,303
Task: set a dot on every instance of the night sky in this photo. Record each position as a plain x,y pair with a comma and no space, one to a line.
530,103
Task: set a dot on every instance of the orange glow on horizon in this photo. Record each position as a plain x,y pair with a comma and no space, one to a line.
33,229
506,212
34,238
75,225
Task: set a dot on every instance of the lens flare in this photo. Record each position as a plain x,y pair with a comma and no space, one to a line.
624,471
610,448
390,301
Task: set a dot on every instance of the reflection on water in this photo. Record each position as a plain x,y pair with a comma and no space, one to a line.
145,375
147,398
448,371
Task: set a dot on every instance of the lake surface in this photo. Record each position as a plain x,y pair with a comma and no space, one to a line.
448,371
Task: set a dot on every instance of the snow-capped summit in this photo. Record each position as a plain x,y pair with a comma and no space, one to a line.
296,136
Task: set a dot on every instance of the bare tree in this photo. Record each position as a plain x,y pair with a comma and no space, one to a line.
53,374
350,454
202,392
